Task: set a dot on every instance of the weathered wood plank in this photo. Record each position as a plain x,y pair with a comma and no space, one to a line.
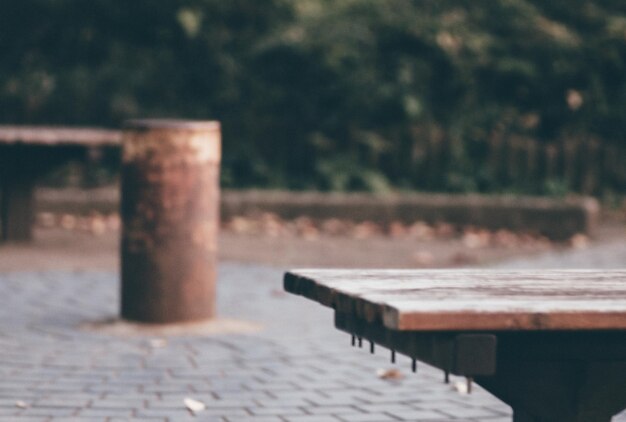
42,135
471,299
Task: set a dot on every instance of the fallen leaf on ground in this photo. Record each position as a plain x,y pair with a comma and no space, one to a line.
462,258
475,239
158,343
421,231
97,225
114,222
365,230
68,222
46,219
397,229
334,226
239,224
278,293
389,374
306,228
445,230
505,238
194,406
423,258
461,387
272,225
579,241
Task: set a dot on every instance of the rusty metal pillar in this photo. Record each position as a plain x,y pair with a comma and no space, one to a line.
170,215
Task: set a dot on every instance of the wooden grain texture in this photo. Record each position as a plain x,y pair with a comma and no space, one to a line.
42,135
454,300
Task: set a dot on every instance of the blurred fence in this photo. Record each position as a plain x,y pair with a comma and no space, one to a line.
527,165
516,164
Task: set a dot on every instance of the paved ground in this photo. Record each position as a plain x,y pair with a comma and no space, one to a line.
295,370
610,254
57,249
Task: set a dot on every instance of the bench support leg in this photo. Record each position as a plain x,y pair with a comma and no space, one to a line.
520,416
20,168
16,207
568,376
560,391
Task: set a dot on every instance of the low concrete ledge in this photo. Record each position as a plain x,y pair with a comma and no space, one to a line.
558,219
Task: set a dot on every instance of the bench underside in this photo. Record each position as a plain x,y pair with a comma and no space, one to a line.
569,376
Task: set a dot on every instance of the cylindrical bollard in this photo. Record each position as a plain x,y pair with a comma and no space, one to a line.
170,215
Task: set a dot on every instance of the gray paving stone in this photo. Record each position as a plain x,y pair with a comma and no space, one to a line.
277,411
8,411
135,419
426,415
256,419
69,401
49,411
284,402
172,414
333,410
130,403
335,401
367,417
105,412
620,418
313,418
298,369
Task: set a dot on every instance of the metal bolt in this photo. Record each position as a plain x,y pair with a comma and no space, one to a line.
353,340
360,342
446,377
371,347
393,356
414,365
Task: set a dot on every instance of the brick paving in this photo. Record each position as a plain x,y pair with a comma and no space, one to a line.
298,369
608,255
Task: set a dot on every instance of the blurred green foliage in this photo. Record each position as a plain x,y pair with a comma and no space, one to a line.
328,94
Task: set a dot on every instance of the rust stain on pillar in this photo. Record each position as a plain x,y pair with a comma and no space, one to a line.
170,214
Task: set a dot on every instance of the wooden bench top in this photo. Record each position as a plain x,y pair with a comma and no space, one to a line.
42,135
457,300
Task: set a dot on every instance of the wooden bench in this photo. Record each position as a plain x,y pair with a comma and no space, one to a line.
27,153
552,344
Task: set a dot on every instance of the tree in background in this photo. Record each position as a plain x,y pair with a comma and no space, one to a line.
343,94
71,61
